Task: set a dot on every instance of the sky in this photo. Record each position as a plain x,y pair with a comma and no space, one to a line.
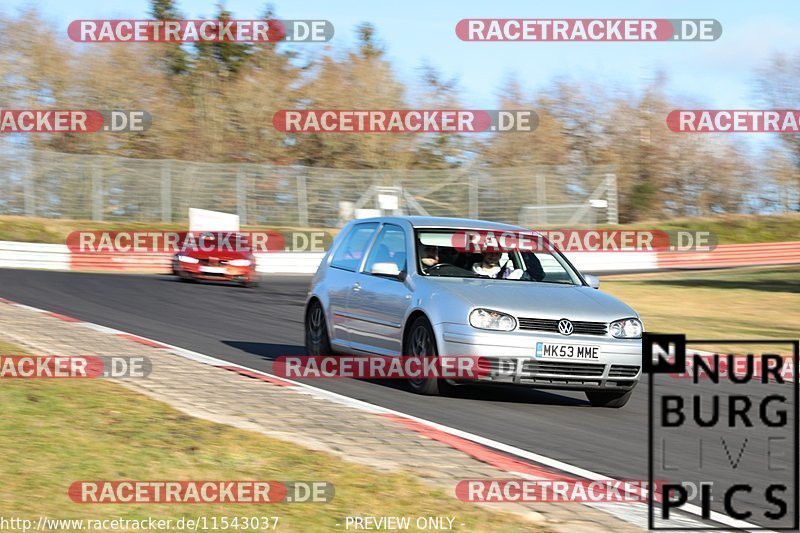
716,74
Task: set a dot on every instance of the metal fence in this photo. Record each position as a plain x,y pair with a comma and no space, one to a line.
60,185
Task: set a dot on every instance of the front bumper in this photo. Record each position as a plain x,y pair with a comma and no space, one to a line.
510,357
231,273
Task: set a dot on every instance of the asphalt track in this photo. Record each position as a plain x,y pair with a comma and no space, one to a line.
252,327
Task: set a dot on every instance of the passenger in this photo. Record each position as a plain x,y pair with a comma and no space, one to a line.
489,266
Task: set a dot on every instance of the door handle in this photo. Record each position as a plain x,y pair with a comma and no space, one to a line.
356,287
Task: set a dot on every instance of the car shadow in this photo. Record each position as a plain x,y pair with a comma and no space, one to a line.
266,350
206,282
515,394
499,393
489,392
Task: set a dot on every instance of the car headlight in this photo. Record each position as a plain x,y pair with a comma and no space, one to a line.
187,259
628,328
239,262
489,319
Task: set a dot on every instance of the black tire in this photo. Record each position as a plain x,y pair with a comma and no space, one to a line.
421,342
250,284
608,399
316,331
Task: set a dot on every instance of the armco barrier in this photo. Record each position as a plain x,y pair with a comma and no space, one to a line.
34,255
58,257
153,263
733,255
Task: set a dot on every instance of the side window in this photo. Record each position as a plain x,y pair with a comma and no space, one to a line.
390,247
349,254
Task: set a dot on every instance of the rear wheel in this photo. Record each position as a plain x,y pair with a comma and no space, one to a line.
608,399
317,340
421,342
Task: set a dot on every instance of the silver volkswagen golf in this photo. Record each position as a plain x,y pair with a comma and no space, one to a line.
403,286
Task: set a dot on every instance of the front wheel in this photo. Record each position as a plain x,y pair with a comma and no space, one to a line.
421,343
317,340
608,399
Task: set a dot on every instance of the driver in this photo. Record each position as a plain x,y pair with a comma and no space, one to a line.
429,256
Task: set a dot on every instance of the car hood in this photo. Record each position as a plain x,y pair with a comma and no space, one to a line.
537,300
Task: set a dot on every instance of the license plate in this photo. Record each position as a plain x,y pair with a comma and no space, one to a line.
212,270
574,352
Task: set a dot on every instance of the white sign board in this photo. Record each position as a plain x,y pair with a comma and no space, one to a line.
367,213
388,202
205,220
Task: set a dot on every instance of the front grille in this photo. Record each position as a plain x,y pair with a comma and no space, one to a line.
574,382
623,371
579,327
539,368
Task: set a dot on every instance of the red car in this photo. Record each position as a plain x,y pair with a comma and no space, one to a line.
216,259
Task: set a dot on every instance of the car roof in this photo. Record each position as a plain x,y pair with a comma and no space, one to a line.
444,222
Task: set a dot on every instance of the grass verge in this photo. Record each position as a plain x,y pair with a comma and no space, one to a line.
741,303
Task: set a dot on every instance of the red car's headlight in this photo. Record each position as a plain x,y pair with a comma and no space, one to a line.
187,259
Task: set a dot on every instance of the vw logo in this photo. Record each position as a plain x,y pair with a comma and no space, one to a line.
565,327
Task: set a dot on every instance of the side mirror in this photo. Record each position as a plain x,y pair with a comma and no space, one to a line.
387,269
593,281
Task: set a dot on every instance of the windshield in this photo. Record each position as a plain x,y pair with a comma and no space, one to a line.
437,256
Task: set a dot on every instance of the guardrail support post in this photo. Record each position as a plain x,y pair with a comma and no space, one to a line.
302,201
541,199
29,196
612,210
473,196
166,193
97,192
241,196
